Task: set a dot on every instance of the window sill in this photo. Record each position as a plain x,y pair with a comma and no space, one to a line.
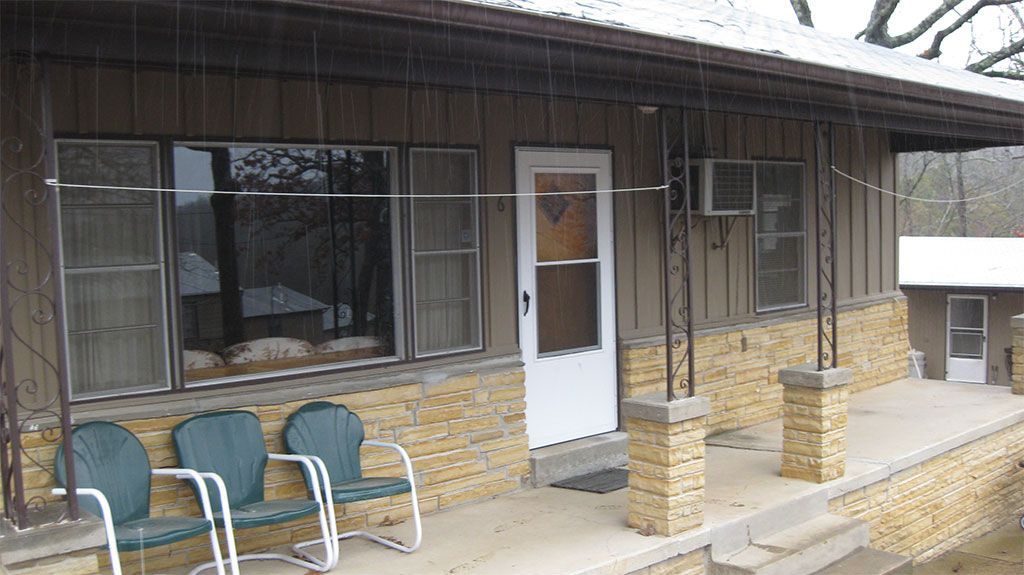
200,400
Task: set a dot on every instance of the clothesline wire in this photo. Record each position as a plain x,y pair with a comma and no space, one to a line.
55,183
928,200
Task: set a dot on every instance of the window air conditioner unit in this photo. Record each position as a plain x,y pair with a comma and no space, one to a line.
725,187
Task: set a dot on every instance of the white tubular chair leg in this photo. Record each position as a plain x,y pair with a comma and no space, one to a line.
229,533
108,522
417,523
332,520
317,470
207,509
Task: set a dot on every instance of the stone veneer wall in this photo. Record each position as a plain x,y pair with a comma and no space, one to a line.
930,508
692,563
466,436
738,370
1017,354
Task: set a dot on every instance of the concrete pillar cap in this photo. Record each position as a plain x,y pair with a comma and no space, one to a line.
807,375
1017,321
655,407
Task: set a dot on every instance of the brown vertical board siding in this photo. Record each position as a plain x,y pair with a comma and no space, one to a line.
649,217
858,213
390,107
593,125
841,227
620,137
64,98
428,116
105,100
565,122
805,144
500,244
349,113
257,107
697,124
531,116
887,211
873,213
716,263
158,99
302,110
464,112
210,107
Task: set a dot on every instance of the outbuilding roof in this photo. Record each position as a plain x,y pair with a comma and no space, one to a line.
720,25
962,262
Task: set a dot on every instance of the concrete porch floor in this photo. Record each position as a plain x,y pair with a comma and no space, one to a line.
557,531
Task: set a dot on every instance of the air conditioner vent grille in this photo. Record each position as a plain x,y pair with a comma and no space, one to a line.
733,187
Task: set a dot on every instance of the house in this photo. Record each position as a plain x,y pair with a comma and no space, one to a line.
421,166
962,294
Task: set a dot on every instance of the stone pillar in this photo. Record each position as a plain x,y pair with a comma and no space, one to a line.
666,463
814,422
1017,327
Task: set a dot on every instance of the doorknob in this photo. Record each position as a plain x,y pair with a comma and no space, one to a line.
526,300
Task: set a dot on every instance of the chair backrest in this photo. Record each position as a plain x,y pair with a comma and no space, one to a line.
111,459
230,444
330,432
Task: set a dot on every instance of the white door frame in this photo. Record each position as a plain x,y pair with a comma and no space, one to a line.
574,394
960,369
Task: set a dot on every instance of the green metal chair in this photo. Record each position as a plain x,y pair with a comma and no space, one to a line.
113,474
333,434
227,449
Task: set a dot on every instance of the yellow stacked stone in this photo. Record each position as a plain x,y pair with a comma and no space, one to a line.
814,433
935,506
465,434
737,369
1017,325
666,464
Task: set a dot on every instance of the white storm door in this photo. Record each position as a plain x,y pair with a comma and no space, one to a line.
966,345
566,294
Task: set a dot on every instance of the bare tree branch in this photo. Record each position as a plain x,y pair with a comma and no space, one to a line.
803,12
934,51
878,22
998,56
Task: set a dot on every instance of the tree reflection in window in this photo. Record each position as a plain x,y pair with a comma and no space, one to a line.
283,280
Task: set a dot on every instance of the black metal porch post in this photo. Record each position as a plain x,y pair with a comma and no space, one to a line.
825,240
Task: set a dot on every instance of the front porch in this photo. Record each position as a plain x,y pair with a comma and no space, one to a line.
902,439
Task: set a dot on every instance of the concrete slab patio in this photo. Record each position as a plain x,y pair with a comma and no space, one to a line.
555,531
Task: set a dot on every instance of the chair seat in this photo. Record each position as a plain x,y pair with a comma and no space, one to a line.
369,488
155,531
269,512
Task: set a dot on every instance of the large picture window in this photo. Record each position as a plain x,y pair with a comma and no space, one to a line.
781,236
276,277
113,269
446,251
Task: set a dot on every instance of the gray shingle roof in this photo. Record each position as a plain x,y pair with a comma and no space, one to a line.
705,22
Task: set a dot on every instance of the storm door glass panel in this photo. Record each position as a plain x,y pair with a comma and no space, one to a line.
781,236
966,327
446,251
568,271
113,274
292,273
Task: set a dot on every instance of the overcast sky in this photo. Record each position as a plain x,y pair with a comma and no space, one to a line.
847,17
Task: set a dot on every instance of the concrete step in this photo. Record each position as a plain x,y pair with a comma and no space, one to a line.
572,458
799,550
866,561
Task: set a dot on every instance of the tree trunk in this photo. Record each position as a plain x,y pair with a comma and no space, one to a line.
223,205
961,206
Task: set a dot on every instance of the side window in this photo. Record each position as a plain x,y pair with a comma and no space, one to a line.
781,236
445,251
113,269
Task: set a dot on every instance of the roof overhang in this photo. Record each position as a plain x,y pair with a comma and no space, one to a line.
476,47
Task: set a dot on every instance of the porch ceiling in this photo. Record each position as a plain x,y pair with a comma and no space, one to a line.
476,47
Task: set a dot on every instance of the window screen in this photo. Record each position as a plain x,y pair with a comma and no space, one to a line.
781,237
446,251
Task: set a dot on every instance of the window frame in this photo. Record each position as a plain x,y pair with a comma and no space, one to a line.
397,266
478,249
801,234
161,267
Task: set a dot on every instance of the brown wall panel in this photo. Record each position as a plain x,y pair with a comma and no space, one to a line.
349,113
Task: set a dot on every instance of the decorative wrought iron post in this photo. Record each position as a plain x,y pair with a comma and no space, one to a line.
34,387
678,319
824,227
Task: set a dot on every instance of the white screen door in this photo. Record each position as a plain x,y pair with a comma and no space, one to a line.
567,294
966,323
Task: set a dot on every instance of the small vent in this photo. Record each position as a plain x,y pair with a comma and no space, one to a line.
732,187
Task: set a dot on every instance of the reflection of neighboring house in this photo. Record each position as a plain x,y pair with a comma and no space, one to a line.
269,311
